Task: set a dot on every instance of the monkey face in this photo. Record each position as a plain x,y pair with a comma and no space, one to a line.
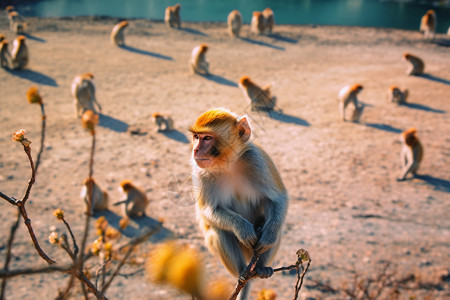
204,149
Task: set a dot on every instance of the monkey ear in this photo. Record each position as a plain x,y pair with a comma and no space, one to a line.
244,129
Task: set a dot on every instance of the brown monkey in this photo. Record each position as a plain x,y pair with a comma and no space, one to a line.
234,22
163,122
259,98
17,23
349,94
198,61
396,95
269,20
412,153
5,56
118,34
257,23
100,199
19,54
9,9
83,92
416,65
172,16
428,24
241,200
135,201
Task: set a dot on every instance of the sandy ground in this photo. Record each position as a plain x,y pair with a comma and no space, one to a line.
346,208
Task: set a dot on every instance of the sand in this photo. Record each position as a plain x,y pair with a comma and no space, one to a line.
346,207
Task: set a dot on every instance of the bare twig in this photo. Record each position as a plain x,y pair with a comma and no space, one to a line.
30,271
75,246
38,159
245,275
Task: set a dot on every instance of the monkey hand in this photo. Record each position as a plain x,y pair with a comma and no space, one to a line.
267,240
246,234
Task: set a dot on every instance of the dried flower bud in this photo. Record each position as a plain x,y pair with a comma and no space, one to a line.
267,295
59,214
89,120
101,223
123,223
303,255
33,95
53,238
112,233
19,136
96,246
107,247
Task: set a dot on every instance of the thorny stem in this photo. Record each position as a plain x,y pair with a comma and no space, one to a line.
38,159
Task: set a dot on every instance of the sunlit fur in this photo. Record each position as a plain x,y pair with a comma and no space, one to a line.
198,63
416,65
234,22
100,199
411,154
83,92
118,33
259,98
241,206
257,23
5,56
428,24
395,95
17,23
135,201
172,16
349,94
163,122
269,20
19,54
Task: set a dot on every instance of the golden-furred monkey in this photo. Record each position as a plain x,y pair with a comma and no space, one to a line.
411,154
83,92
5,56
349,94
257,23
241,201
163,122
234,22
428,24
259,98
19,54
17,23
269,20
172,16
395,95
135,201
100,199
198,61
416,65
118,34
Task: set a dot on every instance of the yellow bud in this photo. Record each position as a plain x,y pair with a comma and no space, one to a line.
156,265
59,214
267,295
123,223
33,95
218,290
53,238
19,136
185,271
101,223
112,233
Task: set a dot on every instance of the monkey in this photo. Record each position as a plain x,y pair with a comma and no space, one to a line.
259,98
411,154
198,61
428,24
416,66
346,95
118,35
100,199
83,92
2,37
234,22
395,95
135,200
241,201
172,16
257,23
17,23
19,54
5,56
9,9
160,120
269,20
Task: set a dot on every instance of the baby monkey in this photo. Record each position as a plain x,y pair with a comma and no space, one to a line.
135,201
163,122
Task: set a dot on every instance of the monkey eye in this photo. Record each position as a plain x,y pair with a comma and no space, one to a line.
207,138
195,136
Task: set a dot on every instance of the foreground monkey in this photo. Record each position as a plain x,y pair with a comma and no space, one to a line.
100,199
172,16
83,92
269,20
349,94
241,200
428,24
163,122
416,65
135,201
118,34
19,54
411,155
396,95
259,98
234,22
5,56
198,61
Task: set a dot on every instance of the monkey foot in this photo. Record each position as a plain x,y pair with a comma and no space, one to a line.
264,272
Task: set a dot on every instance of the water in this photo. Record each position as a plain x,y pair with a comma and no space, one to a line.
374,13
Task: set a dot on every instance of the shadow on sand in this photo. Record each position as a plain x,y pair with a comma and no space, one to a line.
281,38
145,52
219,79
260,43
437,183
280,116
112,123
34,38
435,78
34,76
384,127
193,31
423,107
176,135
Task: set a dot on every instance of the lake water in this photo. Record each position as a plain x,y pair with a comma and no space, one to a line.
374,13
